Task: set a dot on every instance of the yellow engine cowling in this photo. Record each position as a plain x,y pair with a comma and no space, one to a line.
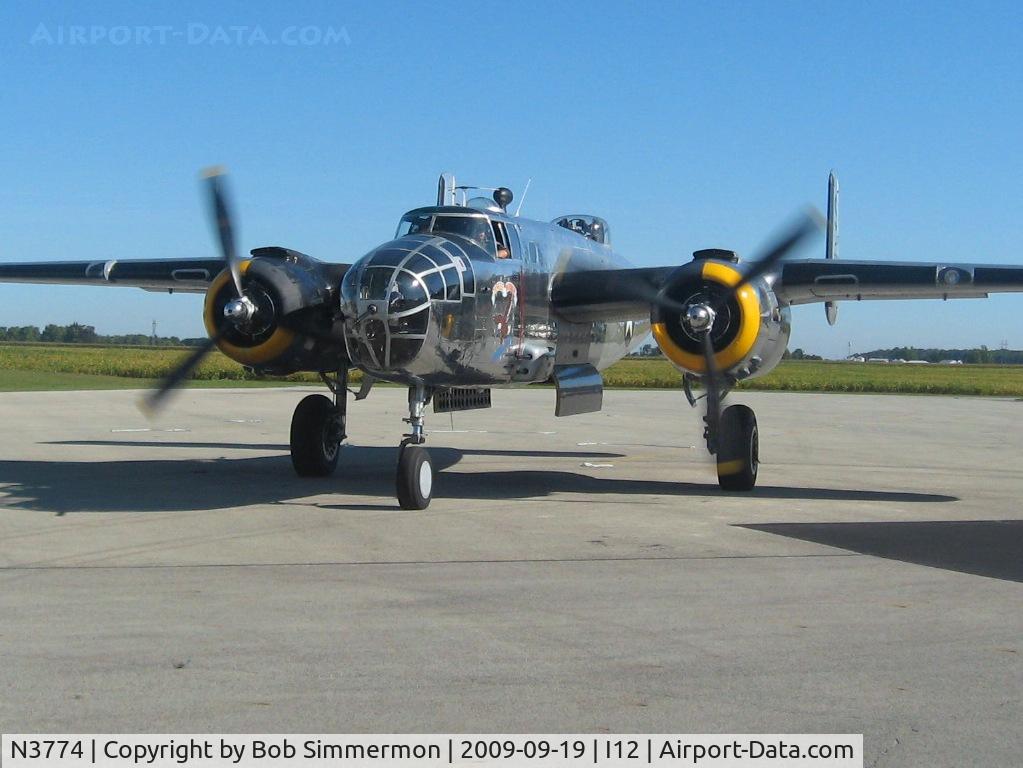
279,289
750,332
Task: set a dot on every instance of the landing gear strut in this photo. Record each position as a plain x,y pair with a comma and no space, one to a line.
318,429
414,481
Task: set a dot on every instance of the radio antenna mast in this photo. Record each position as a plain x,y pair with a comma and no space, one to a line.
523,198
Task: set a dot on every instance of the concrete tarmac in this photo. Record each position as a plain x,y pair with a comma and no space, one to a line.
577,574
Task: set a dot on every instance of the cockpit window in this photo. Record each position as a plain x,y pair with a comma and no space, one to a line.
474,228
415,225
590,227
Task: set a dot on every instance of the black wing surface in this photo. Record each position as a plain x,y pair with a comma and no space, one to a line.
814,280
606,294
172,275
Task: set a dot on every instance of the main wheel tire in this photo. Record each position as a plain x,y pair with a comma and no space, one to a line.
739,452
415,477
316,433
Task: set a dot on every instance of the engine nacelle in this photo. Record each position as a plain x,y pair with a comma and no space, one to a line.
749,334
288,285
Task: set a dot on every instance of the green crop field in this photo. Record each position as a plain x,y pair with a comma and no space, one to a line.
827,376
48,366
12,380
52,366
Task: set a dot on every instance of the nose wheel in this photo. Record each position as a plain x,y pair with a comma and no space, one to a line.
414,481
415,477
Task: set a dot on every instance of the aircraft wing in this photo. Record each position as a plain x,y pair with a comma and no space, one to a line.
172,275
618,294
814,280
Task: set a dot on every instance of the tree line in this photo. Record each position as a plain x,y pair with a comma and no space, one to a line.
799,354
77,333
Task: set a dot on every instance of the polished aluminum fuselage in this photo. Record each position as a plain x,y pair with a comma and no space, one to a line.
501,329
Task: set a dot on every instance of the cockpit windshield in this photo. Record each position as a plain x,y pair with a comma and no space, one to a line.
474,228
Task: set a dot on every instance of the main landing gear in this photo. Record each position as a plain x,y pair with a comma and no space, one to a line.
414,481
732,437
318,429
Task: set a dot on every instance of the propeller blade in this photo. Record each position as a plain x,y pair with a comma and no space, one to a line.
808,223
154,401
668,303
216,182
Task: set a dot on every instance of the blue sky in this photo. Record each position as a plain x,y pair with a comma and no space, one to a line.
686,125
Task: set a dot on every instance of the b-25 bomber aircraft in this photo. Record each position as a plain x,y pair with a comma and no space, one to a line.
468,297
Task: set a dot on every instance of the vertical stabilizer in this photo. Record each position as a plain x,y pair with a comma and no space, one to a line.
831,244
446,189
831,251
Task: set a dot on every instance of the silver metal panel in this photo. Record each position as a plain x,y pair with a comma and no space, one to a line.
580,389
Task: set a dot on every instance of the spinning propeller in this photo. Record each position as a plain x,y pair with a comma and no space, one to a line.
248,312
215,183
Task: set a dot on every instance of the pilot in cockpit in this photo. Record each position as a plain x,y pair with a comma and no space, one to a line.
484,238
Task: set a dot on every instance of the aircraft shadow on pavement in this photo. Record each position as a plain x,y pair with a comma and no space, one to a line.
981,547
199,484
